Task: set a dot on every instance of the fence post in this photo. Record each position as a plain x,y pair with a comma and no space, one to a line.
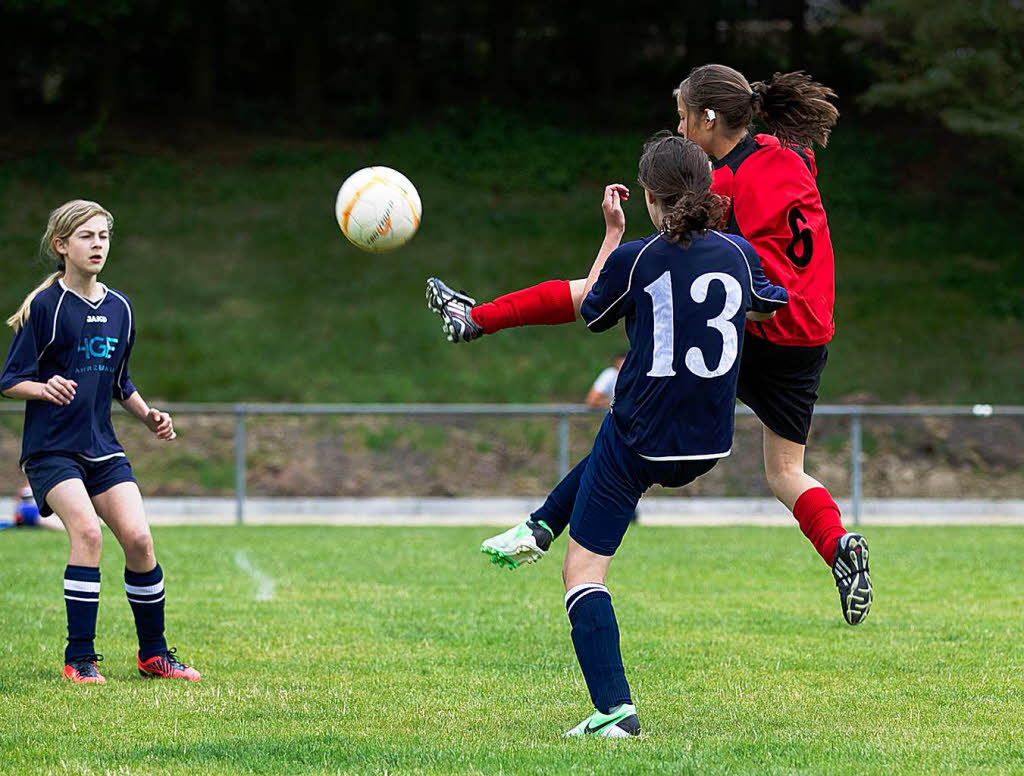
563,446
855,469
239,464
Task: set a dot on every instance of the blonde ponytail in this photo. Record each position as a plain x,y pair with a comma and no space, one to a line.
20,318
61,225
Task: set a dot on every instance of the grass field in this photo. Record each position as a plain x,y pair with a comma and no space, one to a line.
246,290
401,651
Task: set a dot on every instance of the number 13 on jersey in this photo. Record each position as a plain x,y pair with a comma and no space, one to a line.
660,292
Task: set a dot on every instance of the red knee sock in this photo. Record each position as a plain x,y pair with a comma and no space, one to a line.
547,304
820,521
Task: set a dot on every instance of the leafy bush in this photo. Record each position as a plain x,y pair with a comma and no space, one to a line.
959,63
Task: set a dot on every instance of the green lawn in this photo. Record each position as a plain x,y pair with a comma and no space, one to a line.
246,290
401,651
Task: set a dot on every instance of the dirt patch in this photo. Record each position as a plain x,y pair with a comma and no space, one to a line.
376,456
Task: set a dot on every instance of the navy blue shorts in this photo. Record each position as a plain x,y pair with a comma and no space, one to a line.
613,481
46,470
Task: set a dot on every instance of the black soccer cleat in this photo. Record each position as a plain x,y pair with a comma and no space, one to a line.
455,308
850,569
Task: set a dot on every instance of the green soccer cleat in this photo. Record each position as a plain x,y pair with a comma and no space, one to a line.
525,543
621,723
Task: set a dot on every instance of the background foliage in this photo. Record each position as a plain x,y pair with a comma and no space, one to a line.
218,132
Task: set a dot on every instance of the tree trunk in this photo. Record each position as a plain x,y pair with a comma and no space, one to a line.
501,28
797,34
307,82
405,55
110,72
207,18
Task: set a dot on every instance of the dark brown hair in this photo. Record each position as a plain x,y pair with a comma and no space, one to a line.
792,106
677,172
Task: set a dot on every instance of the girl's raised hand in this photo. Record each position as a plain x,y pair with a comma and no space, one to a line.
160,423
614,195
58,390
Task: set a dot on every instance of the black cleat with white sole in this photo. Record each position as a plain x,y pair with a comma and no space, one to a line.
455,308
850,569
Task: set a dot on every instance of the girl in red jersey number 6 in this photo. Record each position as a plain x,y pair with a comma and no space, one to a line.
69,359
775,205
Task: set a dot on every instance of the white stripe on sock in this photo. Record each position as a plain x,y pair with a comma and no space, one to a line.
145,590
573,590
154,601
87,600
81,587
584,591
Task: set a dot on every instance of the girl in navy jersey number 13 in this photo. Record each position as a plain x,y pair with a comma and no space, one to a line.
68,360
684,294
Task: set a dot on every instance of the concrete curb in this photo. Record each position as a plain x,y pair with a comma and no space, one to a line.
500,511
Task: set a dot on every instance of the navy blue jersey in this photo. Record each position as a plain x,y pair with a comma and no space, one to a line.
685,311
88,342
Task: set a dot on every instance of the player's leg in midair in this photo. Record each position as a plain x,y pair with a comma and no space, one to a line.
550,303
819,518
121,508
528,541
780,384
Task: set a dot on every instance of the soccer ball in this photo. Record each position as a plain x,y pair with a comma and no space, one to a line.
378,209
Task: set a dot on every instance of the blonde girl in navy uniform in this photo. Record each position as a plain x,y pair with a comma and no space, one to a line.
68,360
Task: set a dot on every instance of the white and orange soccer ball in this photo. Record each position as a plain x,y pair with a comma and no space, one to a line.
378,209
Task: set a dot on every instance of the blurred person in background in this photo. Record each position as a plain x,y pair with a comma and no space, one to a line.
603,390
26,513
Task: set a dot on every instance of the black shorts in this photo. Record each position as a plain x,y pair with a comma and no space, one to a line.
48,469
780,384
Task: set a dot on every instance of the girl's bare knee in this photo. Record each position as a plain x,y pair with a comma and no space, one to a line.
86,538
138,545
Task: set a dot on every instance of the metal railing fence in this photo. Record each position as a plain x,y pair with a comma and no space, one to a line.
241,411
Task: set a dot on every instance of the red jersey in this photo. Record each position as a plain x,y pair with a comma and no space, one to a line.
777,208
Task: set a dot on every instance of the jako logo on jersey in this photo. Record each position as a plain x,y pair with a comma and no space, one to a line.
98,347
96,319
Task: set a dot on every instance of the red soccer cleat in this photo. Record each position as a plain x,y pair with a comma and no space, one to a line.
82,670
167,666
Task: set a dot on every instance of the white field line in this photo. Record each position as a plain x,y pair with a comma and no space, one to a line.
265,585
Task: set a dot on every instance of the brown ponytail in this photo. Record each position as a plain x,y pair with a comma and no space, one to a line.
693,213
792,106
677,173
795,108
